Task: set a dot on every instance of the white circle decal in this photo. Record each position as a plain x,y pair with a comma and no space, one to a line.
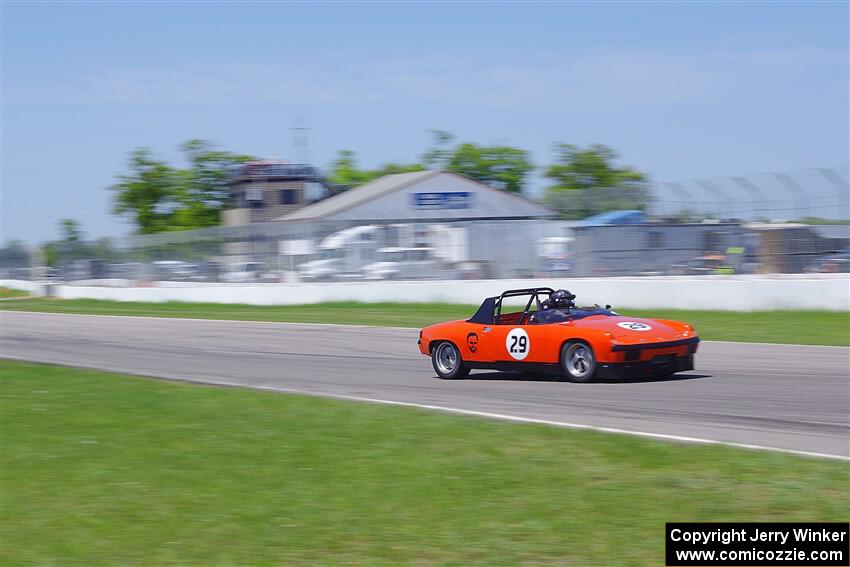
634,326
518,344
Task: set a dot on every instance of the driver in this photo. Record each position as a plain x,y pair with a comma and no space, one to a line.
556,309
562,299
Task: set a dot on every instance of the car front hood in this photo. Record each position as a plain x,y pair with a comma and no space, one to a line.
635,330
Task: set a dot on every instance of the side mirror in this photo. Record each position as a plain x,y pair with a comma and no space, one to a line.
607,306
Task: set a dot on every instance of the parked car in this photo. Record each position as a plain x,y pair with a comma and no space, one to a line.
402,263
703,265
245,272
174,270
831,264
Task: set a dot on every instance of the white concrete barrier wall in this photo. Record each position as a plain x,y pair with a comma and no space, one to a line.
726,293
23,285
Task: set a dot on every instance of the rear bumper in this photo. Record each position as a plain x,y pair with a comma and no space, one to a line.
666,364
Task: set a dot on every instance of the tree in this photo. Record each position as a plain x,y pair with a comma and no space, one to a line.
393,168
344,170
587,182
146,194
502,167
204,191
439,155
70,230
577,168
159,197
70,246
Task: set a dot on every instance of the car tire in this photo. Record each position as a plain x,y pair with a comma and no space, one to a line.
578,363
447,362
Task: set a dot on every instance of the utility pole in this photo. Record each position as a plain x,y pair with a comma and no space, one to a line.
301,144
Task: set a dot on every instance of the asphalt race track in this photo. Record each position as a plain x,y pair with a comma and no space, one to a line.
778,396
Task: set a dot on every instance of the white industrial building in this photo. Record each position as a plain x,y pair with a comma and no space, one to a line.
464,224
422,196
419,225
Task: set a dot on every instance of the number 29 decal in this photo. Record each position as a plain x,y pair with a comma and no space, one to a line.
517,344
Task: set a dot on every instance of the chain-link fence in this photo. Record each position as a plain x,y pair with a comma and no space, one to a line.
816,193
705,226
323,251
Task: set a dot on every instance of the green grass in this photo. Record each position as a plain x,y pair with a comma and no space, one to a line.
791,327
9,293
99,469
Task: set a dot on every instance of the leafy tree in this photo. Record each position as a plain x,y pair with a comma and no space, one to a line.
586,182
502,167
146,194
50,254
498,166
70,246
70,230
204,191
439,155
159,197
586,168
393,168
344,170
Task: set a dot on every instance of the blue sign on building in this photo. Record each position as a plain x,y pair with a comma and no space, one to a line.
453,200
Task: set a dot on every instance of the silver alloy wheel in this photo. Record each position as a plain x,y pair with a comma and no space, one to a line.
447,358
579,360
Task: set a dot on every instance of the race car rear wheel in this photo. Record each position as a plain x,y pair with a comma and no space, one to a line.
447,361
578,362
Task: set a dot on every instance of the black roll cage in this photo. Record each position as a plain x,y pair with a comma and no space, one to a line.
491,308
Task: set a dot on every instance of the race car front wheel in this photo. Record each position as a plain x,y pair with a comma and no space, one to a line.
447,362
578,362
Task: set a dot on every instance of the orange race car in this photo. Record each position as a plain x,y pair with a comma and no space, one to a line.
551,335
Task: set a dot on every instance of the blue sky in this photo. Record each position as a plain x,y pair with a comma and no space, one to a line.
681,90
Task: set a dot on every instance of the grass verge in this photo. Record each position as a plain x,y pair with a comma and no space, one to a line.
100,469
790,327
9,293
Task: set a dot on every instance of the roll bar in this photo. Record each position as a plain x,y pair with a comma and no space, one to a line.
491,308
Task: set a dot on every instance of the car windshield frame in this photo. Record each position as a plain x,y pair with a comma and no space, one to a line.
576,313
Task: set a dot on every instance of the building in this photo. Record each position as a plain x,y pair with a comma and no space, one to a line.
660,248
465,227
461,221
790,248
265,190
422,196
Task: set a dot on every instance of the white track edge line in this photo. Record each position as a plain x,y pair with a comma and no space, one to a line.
341,325
244,321
461,411
531,420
